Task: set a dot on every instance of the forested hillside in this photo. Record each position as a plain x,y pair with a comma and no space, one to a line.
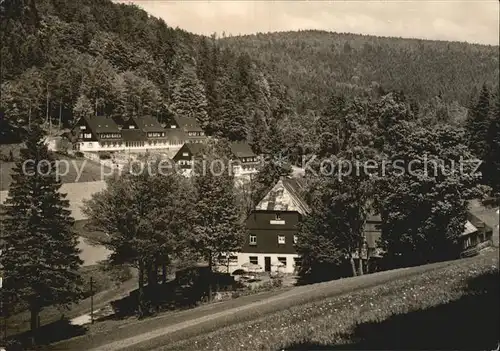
63,59
315,64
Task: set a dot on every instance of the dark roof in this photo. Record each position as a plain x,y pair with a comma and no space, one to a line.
241,149
148,124
196,149
133,135
484,218
102,124
175,134
188,123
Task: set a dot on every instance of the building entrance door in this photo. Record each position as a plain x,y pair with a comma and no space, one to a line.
267,264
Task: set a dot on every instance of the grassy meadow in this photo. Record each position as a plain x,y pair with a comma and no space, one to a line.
454,307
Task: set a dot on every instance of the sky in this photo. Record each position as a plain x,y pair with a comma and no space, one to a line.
474,21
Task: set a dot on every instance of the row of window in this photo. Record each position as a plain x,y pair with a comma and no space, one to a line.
249,159
195,133
155,134
255,260
110,135
281,239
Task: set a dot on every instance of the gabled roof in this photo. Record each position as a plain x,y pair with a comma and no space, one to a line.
133,135
483,217
188,123
469,228
196,149
286,195
175,134
241,149
102,124
148,124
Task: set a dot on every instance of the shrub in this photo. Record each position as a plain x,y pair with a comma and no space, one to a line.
79,154
104,155
277,282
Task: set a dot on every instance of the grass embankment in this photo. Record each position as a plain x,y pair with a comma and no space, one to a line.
454,307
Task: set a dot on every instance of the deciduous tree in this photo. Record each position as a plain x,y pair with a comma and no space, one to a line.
144,211
218,227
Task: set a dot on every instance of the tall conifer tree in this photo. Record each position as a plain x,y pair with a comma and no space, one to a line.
477,124
40,259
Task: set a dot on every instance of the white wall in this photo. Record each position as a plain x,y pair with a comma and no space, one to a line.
243,258
95,146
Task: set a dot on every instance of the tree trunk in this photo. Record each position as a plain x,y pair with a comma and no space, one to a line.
29,117
150,274
60,113
164,271
47,106
141,289
360,271
34,311
155,272
210,293
353,266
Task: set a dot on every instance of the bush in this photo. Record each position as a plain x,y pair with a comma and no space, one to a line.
104,155
79,154
277,283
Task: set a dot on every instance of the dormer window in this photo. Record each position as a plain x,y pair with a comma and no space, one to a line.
277,220
253,239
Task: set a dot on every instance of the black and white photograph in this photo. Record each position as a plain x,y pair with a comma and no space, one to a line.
235,175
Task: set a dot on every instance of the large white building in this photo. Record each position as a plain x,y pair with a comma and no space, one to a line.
137,134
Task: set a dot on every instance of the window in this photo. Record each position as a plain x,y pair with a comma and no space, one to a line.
281,239
254,260
173,126
282,260
132,127
83,127
295,239
88,135
253,239
233,258
185,154
277,220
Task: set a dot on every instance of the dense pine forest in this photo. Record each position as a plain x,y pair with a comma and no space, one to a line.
279,91
316,64
61,60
